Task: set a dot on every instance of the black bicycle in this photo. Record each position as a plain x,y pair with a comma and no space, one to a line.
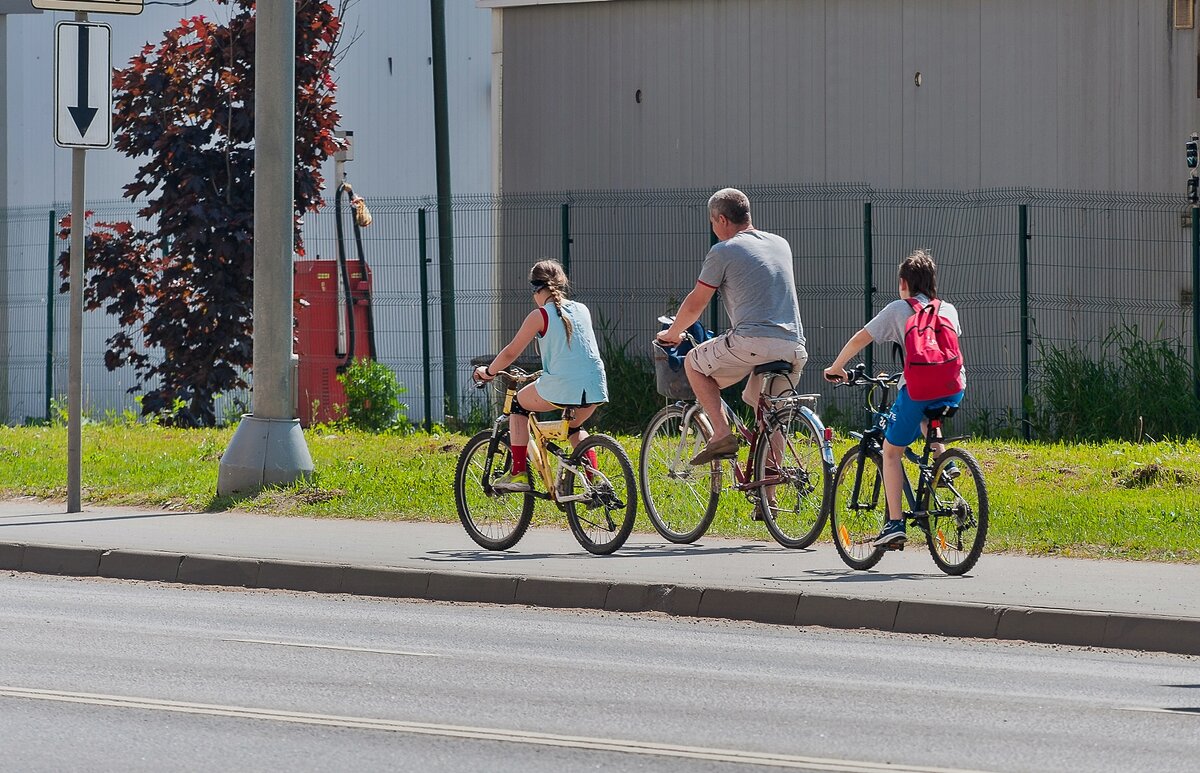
949,506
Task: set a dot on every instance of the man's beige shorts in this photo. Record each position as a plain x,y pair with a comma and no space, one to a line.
729,358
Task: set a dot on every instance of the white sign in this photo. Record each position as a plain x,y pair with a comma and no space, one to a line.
91,6
82,85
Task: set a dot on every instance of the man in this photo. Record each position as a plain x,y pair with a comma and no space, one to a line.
753,271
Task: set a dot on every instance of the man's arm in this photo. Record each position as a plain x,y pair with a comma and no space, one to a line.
689,311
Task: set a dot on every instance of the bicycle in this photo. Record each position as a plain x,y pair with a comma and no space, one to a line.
600,501
787,480
949,506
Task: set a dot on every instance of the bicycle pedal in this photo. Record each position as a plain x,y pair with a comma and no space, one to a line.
897,545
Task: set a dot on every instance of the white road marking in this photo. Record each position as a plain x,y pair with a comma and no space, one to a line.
1192,712
336,647
477,733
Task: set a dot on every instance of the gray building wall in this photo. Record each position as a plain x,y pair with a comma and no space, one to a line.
814,107
1080,94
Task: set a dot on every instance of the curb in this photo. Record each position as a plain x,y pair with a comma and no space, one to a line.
1047,626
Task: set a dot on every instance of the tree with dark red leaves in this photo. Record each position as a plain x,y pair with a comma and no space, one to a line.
183,294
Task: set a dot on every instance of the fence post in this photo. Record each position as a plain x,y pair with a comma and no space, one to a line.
50,314
566,238
1196,300
1023,271
868,282
713,306
423,259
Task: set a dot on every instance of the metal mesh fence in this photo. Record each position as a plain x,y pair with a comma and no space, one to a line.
1094,262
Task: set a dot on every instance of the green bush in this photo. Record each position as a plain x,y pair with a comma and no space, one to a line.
632,398
373,397
1137,389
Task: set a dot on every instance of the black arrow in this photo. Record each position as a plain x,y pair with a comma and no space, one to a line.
81,113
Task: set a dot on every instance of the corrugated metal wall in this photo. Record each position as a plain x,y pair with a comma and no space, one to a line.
1069,94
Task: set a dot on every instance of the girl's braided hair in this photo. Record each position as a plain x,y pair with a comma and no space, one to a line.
550,274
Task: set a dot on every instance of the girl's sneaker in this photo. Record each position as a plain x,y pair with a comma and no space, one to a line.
512,483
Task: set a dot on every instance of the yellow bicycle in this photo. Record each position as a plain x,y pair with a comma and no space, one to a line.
600,500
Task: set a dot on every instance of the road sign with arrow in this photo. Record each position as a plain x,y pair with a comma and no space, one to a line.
82,85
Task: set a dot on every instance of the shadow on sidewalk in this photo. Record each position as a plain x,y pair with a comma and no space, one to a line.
628,551
82,518
852,576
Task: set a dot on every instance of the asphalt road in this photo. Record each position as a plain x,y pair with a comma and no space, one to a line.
113,675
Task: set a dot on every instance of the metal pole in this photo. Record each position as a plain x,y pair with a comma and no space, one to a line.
75,366
441,131
1196,300
566,238
75,328
425,367
1023,270
868,281
50,264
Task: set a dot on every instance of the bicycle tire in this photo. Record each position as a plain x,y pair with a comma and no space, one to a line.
494,521
957,525
794,512
855,524
680,499
615,494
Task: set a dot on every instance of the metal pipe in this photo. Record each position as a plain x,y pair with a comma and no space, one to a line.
422,251
441,126
50,265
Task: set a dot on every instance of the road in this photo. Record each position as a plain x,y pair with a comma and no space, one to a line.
113,675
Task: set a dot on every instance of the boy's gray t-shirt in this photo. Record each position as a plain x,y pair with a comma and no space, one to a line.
753,271
888,325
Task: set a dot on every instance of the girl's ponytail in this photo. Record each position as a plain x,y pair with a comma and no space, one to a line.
550,273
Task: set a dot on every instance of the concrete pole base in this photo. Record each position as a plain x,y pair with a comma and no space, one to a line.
263,452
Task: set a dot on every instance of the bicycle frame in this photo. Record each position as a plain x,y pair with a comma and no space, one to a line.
872,440
743,476
542,446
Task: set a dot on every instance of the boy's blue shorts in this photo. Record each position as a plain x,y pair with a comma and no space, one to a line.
904,420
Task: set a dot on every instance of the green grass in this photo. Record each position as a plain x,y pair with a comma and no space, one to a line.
1107,500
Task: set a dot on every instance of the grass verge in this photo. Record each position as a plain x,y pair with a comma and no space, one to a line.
1104,500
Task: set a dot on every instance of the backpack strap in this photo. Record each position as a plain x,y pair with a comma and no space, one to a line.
918,307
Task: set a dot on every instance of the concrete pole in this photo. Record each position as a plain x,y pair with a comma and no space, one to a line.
4,262
268,447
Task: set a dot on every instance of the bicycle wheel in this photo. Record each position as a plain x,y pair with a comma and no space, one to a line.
856,520
495,521
958,512
603,520
794,508
680,499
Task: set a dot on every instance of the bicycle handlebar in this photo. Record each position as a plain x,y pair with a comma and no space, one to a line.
515,374
859,377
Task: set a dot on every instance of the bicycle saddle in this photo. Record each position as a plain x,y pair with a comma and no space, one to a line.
941,411
778,366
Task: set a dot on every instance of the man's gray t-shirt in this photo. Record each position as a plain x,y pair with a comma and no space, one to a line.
753,271
888,325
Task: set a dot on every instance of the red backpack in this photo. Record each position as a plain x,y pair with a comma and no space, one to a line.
932,359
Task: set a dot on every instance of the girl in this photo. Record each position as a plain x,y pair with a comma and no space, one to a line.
572,371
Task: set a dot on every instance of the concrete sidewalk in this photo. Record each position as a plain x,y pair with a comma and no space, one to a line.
1132,605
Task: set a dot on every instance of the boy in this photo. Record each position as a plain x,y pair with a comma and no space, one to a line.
918,280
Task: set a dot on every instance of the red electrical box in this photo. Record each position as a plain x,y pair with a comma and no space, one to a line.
325,334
